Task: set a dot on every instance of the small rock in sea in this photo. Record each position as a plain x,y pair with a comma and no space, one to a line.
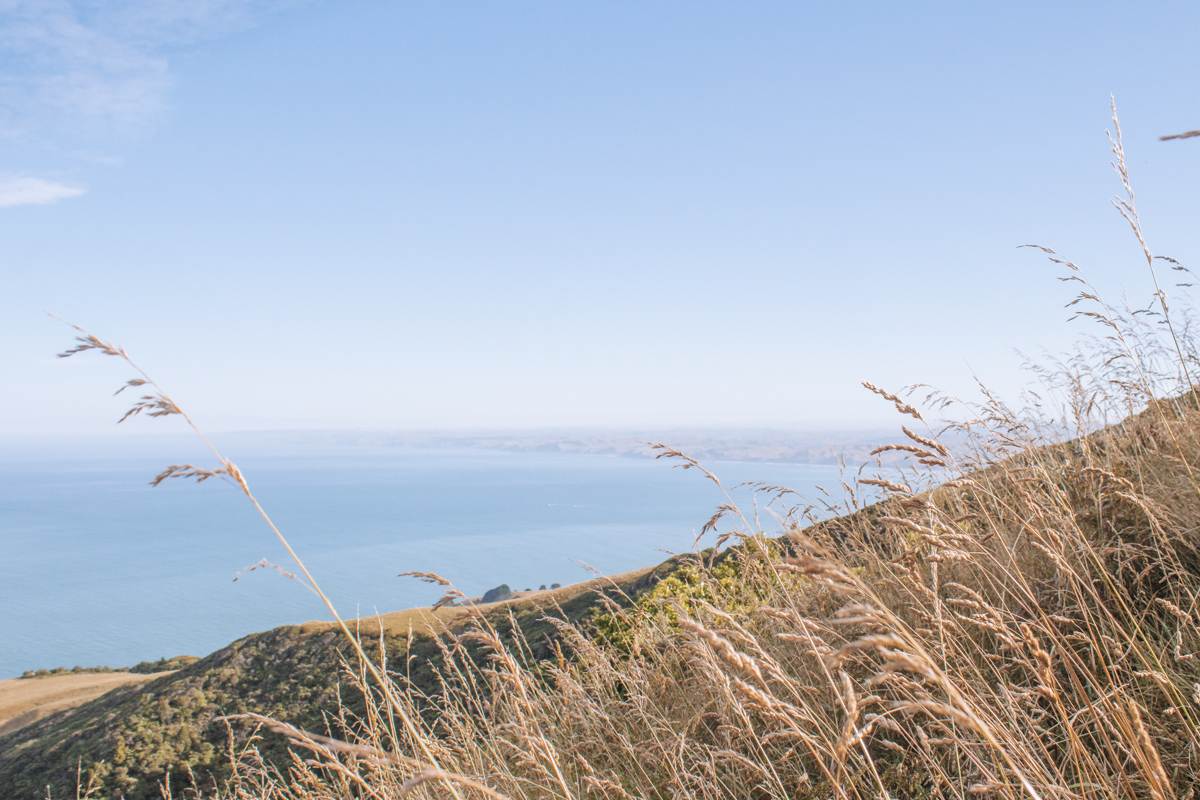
501,592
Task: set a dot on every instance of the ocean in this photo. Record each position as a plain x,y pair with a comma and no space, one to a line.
98,568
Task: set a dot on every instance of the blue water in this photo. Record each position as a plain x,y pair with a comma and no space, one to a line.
96,567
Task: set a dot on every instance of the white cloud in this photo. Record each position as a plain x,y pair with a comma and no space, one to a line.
94,68
82,79
35,192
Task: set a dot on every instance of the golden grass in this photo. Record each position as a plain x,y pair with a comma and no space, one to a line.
23,701
432,621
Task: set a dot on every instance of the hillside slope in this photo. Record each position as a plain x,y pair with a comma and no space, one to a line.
129,739
1048,595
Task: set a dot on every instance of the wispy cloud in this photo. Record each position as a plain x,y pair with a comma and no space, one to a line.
34,192
68,71
87,74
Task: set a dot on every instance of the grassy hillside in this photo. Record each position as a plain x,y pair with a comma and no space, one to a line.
1026,629
1029,627
128,740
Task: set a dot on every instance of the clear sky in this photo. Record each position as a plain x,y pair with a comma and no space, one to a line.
406,215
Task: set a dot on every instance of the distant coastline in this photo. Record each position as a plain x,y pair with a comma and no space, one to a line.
766,445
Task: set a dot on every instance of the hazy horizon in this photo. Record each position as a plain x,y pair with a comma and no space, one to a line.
465,429
755,445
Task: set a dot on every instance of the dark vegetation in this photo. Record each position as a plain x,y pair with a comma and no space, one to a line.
142,667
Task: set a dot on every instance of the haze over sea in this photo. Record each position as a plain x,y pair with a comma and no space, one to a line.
99,568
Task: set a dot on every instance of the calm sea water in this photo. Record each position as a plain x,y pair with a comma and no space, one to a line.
96,567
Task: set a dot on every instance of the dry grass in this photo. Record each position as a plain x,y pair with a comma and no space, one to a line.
23,701
1017,618
1028,631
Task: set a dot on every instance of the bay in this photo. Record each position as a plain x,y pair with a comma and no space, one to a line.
99,568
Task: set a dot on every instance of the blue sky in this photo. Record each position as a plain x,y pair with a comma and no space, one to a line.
412,215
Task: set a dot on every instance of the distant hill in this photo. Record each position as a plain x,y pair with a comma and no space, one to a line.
785,445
